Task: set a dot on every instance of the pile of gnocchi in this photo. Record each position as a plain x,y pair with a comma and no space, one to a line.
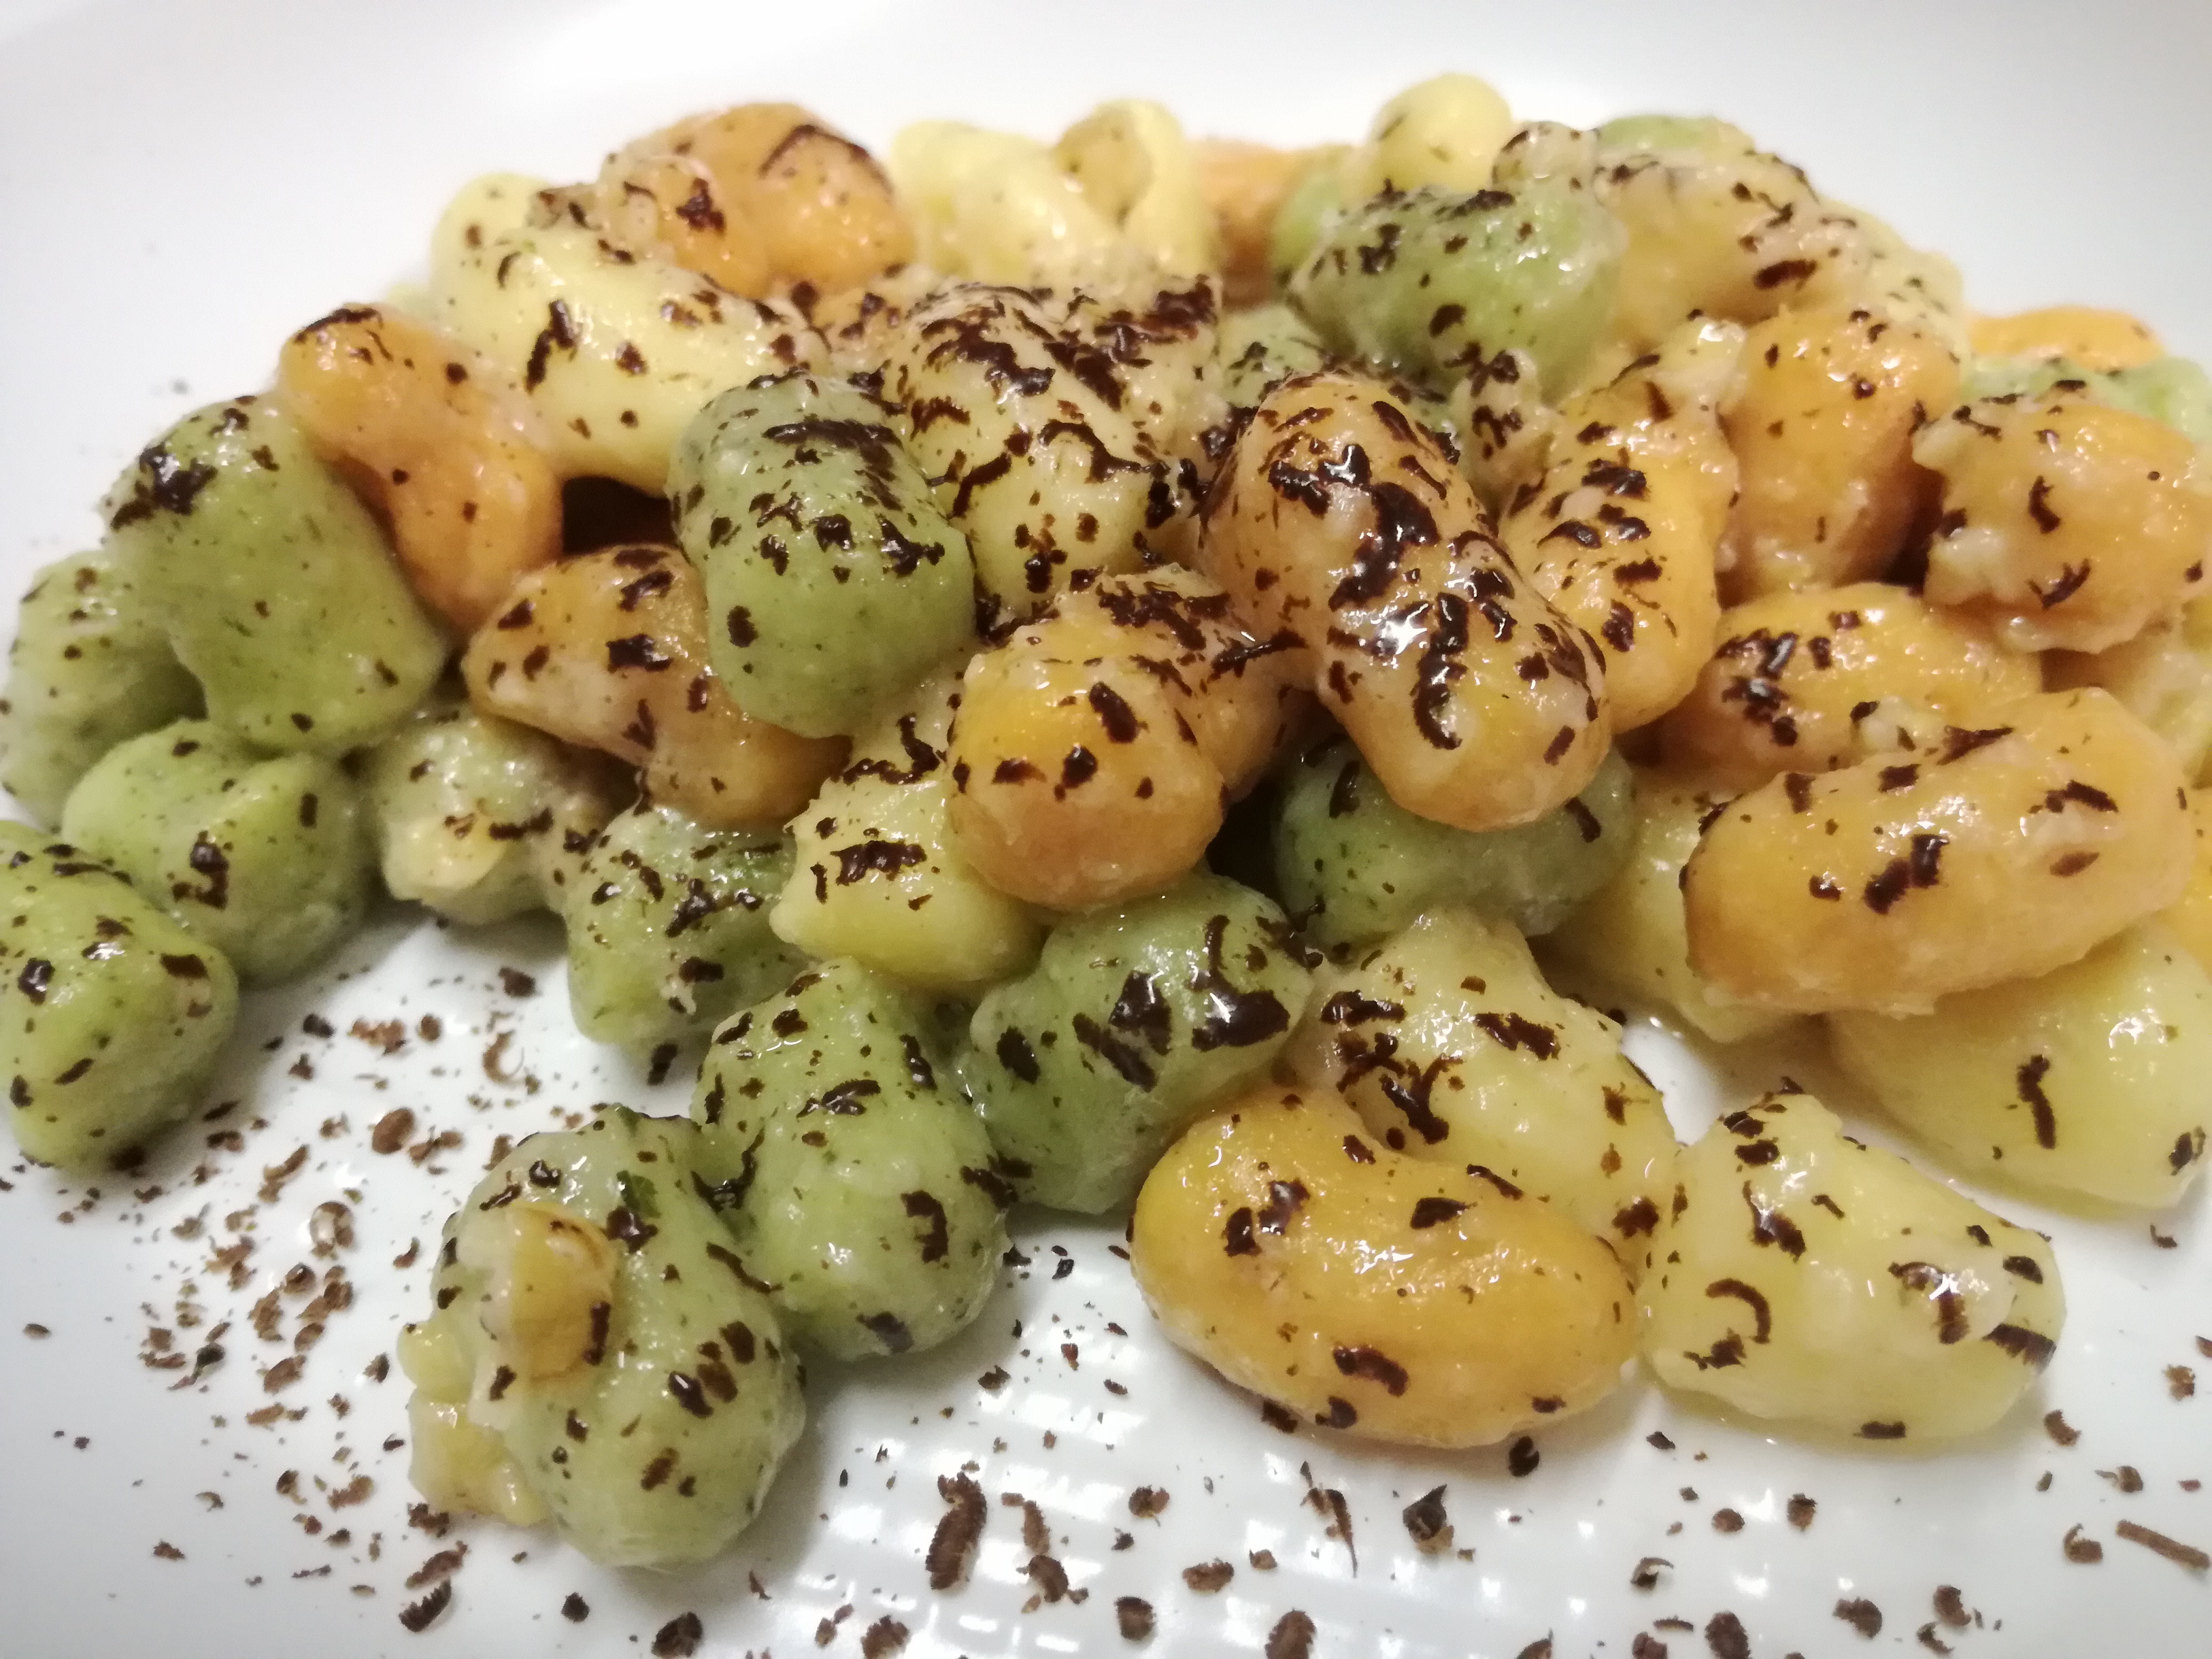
1133,674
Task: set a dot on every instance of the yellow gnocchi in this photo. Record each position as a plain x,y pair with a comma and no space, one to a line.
1341,528
878,877
1821,423
1809,680
2013,848
616,350
1388,1297
2067,522
1621,530
1632,935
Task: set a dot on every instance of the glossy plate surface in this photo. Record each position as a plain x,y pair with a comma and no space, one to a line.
184,183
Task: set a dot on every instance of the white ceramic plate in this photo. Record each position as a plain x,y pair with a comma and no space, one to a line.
182,183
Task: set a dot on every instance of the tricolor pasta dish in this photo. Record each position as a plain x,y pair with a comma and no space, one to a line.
1168,677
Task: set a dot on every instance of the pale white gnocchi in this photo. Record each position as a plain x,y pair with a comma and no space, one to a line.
2090,1079
1809,1278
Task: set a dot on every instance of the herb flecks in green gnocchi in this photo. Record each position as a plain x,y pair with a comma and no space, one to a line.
266,857
90,665
1351,865
278,590
668,928
480,818
1430,282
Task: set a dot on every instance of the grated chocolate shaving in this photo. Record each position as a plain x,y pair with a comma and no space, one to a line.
1292,1638
2158,1543
952,1546
1208,1576
1862,1615
679,1637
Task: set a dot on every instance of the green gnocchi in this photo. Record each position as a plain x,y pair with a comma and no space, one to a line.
113,1017
278,590
598,1355
90,665
859,1182
668,928
265,856
834,584
1351,865
1135,1019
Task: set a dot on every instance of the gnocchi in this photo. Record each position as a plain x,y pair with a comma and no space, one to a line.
1385,1296
2089,1079
1807,1278
615,349
668,928
2012,849
598,1356
267,858
857,1183
1351,864
479,818
1813,679
609,650
832,583
1343,529
1449,1044
1095,750
2037,492
878,876
278,590
113,1017
438,441
1134,1020
90,665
